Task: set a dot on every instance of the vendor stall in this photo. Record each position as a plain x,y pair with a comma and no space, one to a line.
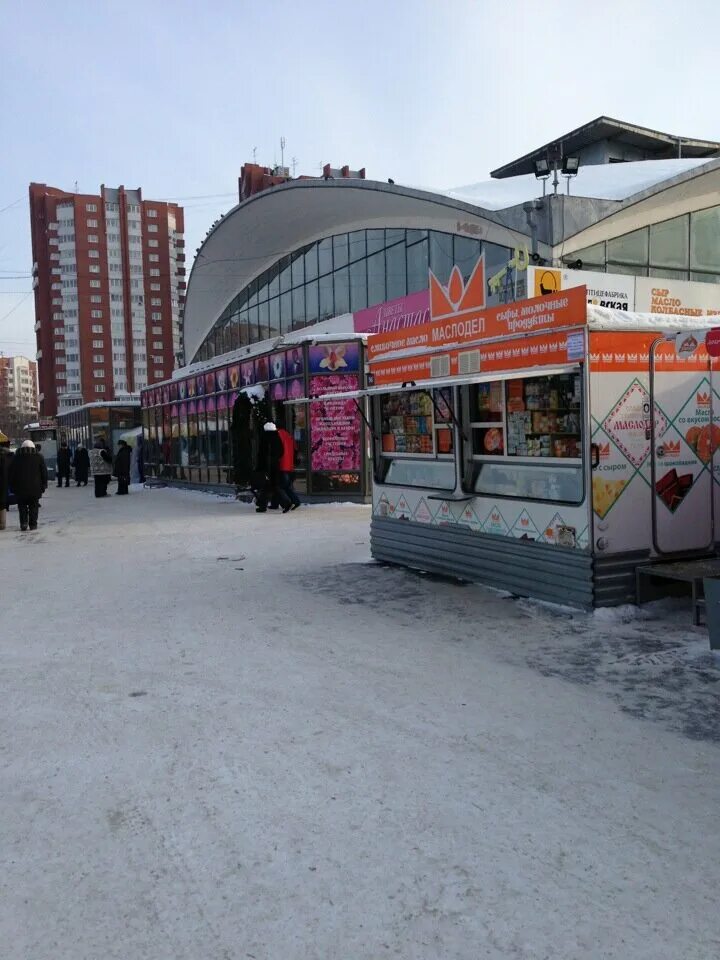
544,447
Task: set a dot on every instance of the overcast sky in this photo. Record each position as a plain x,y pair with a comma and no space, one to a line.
173,95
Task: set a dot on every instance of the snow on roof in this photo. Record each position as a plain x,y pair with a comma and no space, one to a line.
613,181
603,318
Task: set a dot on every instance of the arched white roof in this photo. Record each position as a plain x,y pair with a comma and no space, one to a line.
257,232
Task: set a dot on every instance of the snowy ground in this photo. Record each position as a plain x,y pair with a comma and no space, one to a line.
229,735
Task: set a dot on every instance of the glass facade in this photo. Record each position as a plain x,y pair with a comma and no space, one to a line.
341,274
683,248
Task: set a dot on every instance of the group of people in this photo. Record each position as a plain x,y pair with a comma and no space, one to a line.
79,462
25,475
273,484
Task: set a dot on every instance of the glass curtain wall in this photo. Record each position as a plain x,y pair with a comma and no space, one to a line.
683,248
341,274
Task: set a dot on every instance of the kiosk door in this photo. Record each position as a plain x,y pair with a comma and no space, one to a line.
682,445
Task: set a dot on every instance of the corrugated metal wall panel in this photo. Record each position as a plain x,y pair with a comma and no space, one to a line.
520,566
614,577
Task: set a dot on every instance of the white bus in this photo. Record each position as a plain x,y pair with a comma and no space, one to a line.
44,435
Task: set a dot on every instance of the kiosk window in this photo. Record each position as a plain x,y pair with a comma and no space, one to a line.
537,420
417,439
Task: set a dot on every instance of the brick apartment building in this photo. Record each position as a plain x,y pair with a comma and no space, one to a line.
109,279
18,394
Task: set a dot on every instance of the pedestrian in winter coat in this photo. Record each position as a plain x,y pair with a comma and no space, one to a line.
63,464
270,454
101,465
29,480
81,462
121,468
5,461
287,467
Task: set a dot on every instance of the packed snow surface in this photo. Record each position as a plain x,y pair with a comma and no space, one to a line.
230,735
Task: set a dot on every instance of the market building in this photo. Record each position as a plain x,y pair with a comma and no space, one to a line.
632,213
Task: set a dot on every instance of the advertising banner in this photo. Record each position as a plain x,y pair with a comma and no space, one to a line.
335,358
567,309
335,425
542,350
603,289
683,298
409,311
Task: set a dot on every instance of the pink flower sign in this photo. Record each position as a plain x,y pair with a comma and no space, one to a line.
335,425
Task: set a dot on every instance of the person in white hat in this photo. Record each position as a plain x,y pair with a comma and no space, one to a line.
29,480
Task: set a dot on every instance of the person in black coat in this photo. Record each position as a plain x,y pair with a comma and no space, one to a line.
28,479
81,461
121,468
63,464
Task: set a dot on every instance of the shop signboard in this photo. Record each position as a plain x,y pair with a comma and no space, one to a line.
712,342
335,426
408,311
685,298
460,320
615,291
277,366
330,358
262,371
294,362
247,373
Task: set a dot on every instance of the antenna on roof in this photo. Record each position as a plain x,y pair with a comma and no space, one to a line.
254,152
294,162
282,151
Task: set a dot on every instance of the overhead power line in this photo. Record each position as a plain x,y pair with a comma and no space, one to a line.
18,304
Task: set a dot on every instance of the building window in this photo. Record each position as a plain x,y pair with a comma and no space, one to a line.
154,272
95,298
95,283
91,207
151,213
92,223
156,302
152,228
94,254
98,344
156,316
153,243
157,344
157,330
92,238
99,388
154,258
94,268
97,328
99,374
98,358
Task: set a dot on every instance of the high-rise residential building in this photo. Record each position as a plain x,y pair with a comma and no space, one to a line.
18,393
109,278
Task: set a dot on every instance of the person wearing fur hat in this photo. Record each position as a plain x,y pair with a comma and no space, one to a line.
29,480
5,460
271,451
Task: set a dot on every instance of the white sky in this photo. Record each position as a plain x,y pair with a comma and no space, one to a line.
174,96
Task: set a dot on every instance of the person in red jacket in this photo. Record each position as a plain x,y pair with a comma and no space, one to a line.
287,468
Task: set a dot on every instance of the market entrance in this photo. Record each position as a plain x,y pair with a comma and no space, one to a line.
683,440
